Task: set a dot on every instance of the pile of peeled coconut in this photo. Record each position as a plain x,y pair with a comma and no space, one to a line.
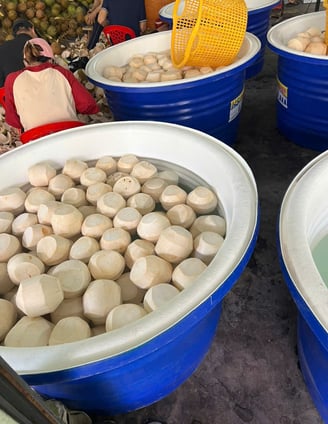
310,41
153,67
93,246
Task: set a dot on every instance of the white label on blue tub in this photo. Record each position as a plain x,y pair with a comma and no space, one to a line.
235,106
282,94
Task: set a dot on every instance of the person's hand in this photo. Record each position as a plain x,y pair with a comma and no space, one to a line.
89,18
163,27
143,27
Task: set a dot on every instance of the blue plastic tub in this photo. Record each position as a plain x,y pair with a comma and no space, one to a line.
210,103
302,85
132,367
302,235
259,12
139,377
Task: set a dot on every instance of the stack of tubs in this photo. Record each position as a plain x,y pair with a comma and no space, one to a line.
302,101
303,246
138,364
210,103
259,12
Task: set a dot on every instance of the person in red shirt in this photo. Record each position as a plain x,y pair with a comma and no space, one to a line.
44,92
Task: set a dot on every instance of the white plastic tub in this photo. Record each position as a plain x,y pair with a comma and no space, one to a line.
303,224
136,365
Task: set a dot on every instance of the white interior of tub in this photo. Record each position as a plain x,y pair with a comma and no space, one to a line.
303,223
167,10
119,55
213,161
279,35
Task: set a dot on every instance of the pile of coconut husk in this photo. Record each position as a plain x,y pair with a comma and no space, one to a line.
7,140
51,18
76,51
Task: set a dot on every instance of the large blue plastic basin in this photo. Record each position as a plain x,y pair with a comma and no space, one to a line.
303,223
259,14
137,365
302,84
210,103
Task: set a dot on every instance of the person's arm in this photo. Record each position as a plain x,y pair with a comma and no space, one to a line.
84,101
2,79
142,17
92,13
11,115
2,71
143,26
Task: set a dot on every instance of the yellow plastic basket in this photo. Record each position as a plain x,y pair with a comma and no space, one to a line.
208,32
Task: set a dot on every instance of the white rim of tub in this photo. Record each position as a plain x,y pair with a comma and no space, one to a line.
302,222
166,11
279,35
260,4
243,221
95,67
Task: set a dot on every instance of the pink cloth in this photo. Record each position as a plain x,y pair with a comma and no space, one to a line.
46,48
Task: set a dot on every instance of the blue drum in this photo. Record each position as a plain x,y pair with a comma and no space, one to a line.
138,364
210,103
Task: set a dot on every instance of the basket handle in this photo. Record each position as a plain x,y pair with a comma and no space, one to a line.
191,42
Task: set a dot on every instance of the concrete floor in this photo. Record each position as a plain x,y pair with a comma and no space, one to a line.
251,373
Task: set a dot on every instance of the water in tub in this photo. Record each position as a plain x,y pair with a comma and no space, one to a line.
319,254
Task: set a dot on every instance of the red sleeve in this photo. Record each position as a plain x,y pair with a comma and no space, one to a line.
84,101
11,115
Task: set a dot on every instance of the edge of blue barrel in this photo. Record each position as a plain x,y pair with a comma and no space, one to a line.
302,102
312,344
258,24
211,105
